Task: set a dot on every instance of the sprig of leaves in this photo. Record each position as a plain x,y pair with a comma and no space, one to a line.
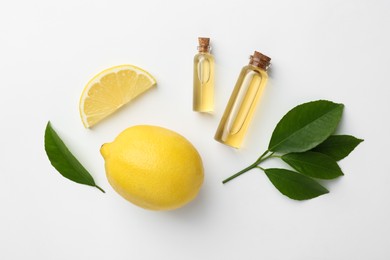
303,139
64,161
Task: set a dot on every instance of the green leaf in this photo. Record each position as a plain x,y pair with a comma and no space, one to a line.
338,146
64,161
313,164
306,126
294,185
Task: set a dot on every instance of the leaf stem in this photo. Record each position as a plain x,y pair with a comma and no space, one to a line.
262,158
100,188
261,168
268,156
250,167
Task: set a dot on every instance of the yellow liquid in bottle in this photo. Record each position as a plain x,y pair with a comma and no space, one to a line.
203,96
241,106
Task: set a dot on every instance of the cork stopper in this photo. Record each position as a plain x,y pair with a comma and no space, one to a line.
260,60
204,44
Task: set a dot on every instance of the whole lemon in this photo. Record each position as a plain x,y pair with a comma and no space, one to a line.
153,167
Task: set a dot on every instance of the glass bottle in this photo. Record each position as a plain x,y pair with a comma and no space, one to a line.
203,96
243,101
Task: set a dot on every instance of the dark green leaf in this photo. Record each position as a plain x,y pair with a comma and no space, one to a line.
64,161
294,185
313,164
338,146
306,126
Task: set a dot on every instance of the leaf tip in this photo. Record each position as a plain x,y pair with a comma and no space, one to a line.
340,106
48,125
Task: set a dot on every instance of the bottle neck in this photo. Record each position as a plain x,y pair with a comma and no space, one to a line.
259,66
204,49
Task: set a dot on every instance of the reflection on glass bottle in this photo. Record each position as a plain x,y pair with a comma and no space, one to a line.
243,101
203,97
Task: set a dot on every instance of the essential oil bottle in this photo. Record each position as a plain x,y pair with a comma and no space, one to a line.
243,101
203,96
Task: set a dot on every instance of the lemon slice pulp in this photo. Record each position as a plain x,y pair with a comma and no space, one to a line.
110,90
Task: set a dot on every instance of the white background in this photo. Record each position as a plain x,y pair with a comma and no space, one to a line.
336,50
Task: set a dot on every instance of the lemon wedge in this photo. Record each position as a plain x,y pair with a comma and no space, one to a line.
111,89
